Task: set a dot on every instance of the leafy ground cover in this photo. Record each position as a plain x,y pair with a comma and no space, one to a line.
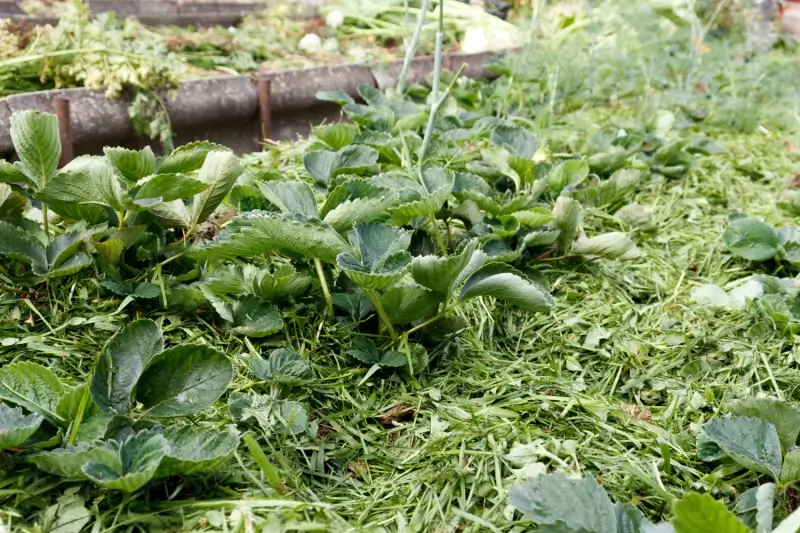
422,322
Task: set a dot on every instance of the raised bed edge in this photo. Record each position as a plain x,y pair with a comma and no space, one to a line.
204,102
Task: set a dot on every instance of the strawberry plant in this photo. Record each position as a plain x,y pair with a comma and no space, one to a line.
560,504
117,429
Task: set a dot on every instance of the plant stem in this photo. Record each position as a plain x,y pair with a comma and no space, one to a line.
412,47
171,259
437,58
45,222
9,288
430,321
435,107
324,284
375,298
438,234
270,472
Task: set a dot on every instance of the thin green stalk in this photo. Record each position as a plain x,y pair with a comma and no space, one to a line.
437,58
437,234
270,472
324,284
45,222
692,46
435,107
430,321
412,47
375,298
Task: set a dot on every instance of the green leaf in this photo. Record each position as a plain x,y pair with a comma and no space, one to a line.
381,258
751,239
352,188
438,273
336,136
789,244
65,245
193,449
137,462
33,387
168,188
407,303
93,422
272,415
503,282
700,513
789,200
70,266
68,515
290,197
751,442
437,187
371,95
611,191
378,118
147,291
566,218
67,462
765,503
283,366
393,359
37,143
574,504
632,520
784,416
220,171
339,97
11,204
613,245
790,472
16,427
534,218
172,214
255,318
516,140
183,380
132,165
324,165
18,244
364,350
88,180
357,305
567,174
258,233
11,174
188,157
119,368
350,212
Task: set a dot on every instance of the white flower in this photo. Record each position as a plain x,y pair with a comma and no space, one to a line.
310,42
334,19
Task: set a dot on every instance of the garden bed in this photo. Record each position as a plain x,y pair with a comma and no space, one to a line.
225,109
562,299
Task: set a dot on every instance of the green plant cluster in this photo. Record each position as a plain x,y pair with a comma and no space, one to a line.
391,223
758,439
